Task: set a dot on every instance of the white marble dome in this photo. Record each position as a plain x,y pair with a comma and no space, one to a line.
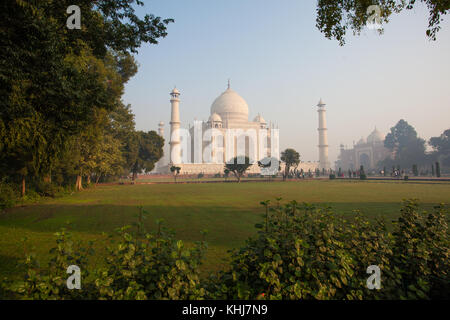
375,136
215,118
231,107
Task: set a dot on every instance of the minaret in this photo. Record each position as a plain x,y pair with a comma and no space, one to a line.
175,151
160,164
161,129
323,137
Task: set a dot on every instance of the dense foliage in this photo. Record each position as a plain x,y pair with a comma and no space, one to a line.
61,115
299,252
336,17
138,265
441,147
404,144
307,253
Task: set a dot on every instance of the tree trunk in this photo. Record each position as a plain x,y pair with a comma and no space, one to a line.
78,184
89,179
23,186
98,178
134,177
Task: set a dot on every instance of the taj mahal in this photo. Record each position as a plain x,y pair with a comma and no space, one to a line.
207,145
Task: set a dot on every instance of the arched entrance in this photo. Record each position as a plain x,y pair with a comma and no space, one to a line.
364,160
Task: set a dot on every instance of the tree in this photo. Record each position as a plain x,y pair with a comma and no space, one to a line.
335,17
441,147
406,147
54,81
175,171
238,165
108,159
150,151
122,127
291,158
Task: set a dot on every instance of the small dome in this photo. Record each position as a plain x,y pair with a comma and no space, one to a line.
215,118
161,124
175,90
321,103
230,106
375,136
259,119
361,141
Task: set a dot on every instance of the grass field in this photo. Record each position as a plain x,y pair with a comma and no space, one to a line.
228,210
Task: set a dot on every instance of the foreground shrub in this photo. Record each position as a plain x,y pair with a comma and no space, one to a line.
302,252
138,266
50,283
420,267
299,252
156,267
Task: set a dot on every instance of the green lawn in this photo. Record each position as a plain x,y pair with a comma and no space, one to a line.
228,210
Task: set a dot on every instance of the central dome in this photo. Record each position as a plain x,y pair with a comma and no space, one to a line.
231,107
375,136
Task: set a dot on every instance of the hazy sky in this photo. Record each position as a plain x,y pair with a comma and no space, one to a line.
282,65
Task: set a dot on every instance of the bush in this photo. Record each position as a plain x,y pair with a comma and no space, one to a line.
299,252
8,195
332,176
306,253
31,195
50,283
309,253
154,267
47,189
420,267
139,266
